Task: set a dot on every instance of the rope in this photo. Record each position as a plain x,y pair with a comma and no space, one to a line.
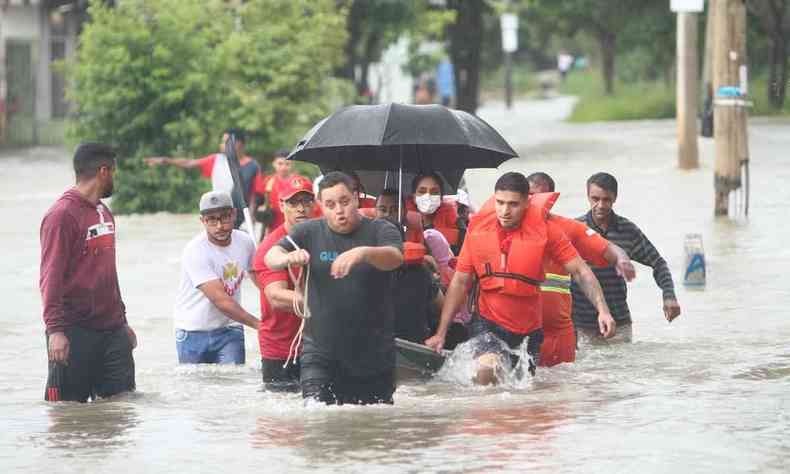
301,286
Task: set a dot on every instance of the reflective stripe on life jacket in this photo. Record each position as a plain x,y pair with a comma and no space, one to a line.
520,272
555,283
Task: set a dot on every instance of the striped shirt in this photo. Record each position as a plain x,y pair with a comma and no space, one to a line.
630,238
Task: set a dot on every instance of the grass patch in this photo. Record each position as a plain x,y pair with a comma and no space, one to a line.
643,100
758,90
631,101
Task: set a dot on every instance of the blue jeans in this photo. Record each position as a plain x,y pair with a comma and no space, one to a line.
220,346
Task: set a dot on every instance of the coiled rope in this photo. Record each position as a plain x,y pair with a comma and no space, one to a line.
301,286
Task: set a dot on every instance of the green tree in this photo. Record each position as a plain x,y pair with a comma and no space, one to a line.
165,77
774,19
466,40
604,20
374,25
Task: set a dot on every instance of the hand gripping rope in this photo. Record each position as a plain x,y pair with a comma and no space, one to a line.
301,286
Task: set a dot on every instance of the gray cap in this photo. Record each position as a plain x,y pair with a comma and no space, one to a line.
215,200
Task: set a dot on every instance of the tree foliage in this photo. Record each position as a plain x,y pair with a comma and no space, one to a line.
773,18
374,25
604,20
165,77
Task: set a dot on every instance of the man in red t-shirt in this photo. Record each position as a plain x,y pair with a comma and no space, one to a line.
279,324
505,252
215,167
267,191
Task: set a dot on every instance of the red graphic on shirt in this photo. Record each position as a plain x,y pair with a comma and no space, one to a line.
231,278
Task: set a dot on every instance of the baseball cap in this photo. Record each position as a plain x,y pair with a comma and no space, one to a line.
215,200
293,185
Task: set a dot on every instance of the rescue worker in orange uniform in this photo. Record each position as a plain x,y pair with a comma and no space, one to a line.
559,337
504,252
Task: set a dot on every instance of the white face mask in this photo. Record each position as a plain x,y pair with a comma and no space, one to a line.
427,203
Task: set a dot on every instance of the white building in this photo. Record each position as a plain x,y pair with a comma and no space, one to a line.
34,34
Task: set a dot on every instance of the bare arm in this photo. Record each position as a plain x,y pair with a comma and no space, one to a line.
280,297
254,279
278,258
582,274
455,297
620,260
215,292
384,258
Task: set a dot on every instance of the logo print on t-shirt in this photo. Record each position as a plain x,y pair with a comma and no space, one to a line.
327,256
231,277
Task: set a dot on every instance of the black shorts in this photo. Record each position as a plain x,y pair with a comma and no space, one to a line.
489,337
100,365
325,382
277,378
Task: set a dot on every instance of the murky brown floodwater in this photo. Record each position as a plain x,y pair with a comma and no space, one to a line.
709,393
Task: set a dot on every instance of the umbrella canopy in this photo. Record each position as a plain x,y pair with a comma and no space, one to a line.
412,137
375,181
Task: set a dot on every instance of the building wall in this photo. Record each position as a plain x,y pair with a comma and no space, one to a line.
21,21
31,24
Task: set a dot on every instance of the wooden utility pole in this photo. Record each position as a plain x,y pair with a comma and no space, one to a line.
707,61
729,72
687,90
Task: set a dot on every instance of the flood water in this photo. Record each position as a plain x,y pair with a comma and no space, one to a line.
708,393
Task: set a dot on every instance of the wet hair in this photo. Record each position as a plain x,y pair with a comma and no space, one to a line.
433,174
542,179
241,135
334,178
356,180
281,153
513,181
390,192
604,181
89,157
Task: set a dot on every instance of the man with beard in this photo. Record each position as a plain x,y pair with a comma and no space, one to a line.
279,324
349,352
88,339
208,313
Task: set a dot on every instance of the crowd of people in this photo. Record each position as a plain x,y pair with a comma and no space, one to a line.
342,274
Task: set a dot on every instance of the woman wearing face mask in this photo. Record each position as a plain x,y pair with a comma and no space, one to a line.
435,213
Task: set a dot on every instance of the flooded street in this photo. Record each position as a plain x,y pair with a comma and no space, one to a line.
708,393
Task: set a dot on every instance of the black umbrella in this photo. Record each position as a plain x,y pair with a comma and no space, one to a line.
399,136
374,182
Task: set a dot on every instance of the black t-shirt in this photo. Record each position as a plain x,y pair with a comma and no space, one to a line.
352,318
247,173
414,293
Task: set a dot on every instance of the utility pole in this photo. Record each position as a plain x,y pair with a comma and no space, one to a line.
3,84
707,62
730,89
687,92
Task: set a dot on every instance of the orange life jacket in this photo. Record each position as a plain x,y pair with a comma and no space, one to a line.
413,247
414,227
445,219
520,272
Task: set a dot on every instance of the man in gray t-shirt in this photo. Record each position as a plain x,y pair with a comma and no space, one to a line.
348,354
